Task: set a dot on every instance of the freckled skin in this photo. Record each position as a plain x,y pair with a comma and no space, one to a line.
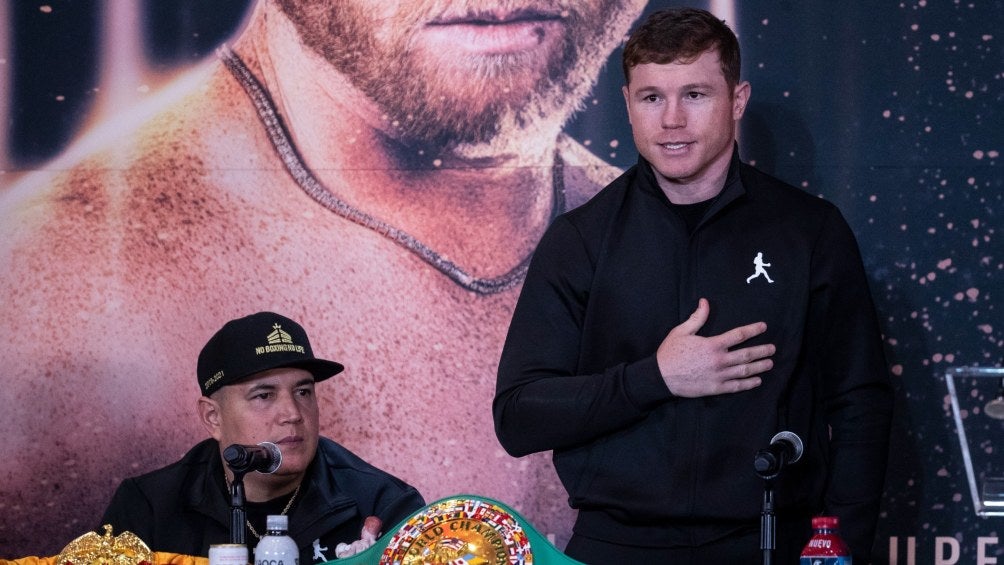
119,268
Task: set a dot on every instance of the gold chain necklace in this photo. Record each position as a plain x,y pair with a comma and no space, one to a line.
284,510
290,156
283,513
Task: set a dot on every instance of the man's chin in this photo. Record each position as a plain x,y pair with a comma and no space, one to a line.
293,463
479,139
284,473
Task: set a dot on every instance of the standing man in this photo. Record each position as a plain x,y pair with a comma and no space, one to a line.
641,356
257,375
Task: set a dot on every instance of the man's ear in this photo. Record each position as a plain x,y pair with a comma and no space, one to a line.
210,416
627,100
740,97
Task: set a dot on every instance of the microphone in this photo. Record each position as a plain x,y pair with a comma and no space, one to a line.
264,457
785,448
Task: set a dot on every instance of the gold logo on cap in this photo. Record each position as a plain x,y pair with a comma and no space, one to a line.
279,341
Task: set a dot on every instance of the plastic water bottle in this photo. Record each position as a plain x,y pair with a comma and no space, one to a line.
826,547
276,547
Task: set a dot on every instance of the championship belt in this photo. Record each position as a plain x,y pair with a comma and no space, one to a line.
462,530
123,549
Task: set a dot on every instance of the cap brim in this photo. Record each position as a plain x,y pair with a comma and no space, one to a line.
321,368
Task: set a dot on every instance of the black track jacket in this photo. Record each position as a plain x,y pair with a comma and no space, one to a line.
578,373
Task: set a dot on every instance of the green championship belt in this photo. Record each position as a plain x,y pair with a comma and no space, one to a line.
462,530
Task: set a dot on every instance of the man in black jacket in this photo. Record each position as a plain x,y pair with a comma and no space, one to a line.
672,325
257,375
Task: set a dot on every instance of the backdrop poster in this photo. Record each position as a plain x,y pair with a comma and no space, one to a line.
146,197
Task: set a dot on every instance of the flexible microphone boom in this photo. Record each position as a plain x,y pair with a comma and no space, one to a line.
264,457
785,448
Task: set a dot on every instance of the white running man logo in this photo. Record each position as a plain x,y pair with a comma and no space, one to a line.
759,265
318,551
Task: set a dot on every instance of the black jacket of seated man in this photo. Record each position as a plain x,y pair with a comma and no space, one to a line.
185,507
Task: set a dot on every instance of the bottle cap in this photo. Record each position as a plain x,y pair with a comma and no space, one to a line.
277,522
825,522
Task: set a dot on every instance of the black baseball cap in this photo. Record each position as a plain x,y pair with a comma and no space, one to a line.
256,343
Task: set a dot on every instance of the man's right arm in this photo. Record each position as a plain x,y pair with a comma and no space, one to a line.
541,401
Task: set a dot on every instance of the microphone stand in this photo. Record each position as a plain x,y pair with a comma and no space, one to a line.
768,522
768,464
237,514
768,468
240,465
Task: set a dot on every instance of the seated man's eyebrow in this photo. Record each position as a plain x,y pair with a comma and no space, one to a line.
262,387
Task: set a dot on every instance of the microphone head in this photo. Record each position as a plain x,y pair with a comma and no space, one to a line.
276,458
264,457
793,440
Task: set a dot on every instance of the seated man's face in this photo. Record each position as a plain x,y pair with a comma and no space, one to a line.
277,406
466,71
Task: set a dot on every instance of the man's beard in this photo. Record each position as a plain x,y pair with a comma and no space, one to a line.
474,103
488,101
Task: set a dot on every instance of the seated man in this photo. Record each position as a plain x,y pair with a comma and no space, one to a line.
257,376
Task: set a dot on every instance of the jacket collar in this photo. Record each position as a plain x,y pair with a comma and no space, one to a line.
206,493
323,506
732,189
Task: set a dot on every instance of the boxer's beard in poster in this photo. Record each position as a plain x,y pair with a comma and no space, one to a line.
457,101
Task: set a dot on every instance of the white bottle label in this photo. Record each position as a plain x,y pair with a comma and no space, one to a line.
276,550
